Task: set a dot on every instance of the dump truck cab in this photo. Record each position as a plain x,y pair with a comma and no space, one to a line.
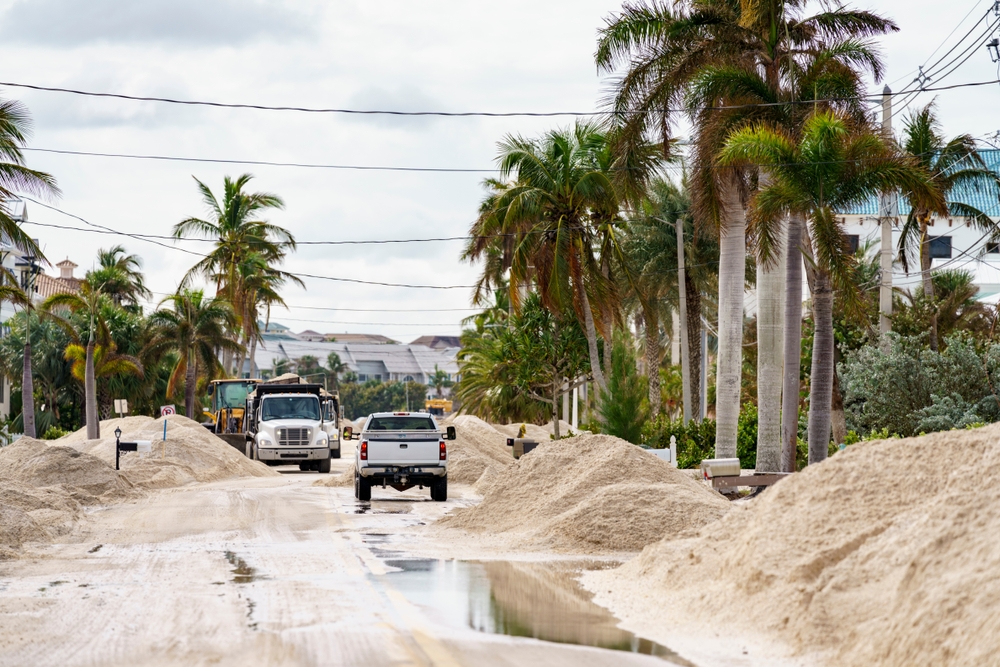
284,425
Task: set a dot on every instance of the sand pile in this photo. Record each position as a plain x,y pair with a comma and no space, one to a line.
477,447
34,515
883,555
192,454
35,464
590,493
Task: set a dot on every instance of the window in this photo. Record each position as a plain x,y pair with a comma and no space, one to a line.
290,407
993,248
852,242
401,423
362,377
377,377
408,378
940,247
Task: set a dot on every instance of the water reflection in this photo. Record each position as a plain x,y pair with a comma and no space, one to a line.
538,600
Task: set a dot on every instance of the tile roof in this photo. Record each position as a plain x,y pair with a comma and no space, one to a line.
964,195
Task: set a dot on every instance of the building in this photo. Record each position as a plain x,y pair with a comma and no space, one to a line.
361,339
380,362
438,342
65,283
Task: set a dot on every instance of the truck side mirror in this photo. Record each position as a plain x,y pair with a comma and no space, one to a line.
211,390
348,433
451,432
510,442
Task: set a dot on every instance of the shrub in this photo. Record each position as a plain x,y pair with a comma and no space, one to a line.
624,406
54,433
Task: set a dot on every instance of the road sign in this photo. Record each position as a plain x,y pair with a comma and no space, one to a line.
167,410
121,406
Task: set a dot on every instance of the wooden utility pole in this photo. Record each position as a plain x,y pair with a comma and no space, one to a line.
887,214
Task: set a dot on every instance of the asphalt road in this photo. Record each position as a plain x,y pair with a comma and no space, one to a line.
269,571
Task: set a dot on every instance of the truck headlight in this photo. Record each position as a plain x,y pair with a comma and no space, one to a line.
322,441
264,441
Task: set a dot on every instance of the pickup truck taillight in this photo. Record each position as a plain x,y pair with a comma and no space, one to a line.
364,451
443,452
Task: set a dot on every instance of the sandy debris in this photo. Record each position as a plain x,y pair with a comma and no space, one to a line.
192,453
478,450
591,493
883,555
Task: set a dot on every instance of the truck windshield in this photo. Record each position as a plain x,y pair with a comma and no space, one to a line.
401,424
233,394
290,407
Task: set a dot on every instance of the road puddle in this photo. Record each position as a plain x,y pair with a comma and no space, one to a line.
242,572
538,600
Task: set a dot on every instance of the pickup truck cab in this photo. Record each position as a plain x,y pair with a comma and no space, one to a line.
401,450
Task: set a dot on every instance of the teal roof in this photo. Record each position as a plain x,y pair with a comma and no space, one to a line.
965,195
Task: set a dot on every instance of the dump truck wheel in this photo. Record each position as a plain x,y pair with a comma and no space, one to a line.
324,466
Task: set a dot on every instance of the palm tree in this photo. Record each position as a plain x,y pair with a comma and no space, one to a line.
88,302
440,380
119,276
15,127
242,240
832,165
336,368
546,223
957,167
10,292
718,53
195,328
652,246
105,360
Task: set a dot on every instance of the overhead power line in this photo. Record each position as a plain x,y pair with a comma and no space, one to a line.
453,114
202,255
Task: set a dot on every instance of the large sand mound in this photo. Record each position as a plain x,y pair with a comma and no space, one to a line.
90,481
192,454
886,554
590,493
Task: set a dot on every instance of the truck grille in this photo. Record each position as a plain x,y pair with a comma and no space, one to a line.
293,437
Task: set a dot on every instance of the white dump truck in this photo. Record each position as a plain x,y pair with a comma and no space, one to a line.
285,425
401,450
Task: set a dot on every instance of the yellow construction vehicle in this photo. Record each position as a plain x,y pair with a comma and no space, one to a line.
229,399
437,406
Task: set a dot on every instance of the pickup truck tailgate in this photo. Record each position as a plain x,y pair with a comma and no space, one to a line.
403,448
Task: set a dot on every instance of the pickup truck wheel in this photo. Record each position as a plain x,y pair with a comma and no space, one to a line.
439,490
362,487
323,466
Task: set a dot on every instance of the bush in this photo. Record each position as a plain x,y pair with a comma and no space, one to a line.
696,441
624,407
54,433
360,400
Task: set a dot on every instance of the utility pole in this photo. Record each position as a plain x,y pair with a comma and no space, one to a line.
685,346
887,214
27,377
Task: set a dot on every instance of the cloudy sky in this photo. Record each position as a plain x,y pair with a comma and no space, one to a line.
432,55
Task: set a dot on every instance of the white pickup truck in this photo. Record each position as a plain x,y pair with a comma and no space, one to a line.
401,450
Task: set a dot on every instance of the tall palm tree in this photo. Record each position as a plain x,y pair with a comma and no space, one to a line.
119,276
830,166
241,234
15,128
87,302
552,222
652,246
336,368
957,168
717,53
105,360
13,294
195,328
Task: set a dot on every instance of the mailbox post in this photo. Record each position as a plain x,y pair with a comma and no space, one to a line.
137,446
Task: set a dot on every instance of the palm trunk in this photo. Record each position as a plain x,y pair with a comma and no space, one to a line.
653,359
793,346
694,327
253,355
591,331
190,378
927,283
821,375
770,351
28,393
838,419
729,366
90,390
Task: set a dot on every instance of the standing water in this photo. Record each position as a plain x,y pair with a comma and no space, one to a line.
541,601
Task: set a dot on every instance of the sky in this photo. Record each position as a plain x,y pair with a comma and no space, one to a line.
433,55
